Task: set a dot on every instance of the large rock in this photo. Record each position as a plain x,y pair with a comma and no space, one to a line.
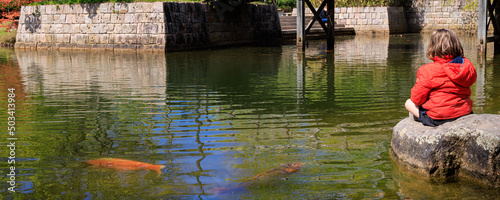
467,147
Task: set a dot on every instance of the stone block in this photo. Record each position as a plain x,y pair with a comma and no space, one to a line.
106,8
45,19
110,28
49,9
117,39
58,28
129,18
75,28
61,19
467,147
86,28
131,7
160,39
139,18
66,9
70,19
118,18
131,29
87,19
121,8
151,17
96,19
143,7
75,8
106,18
25,10
384,15
143,39
95,29
131,39
93,39
66,28
62,38
157,7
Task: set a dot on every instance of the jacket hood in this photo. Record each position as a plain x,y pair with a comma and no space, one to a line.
460,70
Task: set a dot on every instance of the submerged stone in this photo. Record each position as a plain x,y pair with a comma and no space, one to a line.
468,147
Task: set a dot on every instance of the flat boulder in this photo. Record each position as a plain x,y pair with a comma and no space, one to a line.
468,147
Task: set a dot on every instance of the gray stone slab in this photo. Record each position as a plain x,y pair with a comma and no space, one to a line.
468,147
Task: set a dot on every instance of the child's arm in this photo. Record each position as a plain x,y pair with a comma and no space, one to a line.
420,91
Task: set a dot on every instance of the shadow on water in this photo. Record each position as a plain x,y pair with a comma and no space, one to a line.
217,118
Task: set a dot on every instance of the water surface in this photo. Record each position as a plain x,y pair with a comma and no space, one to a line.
216,118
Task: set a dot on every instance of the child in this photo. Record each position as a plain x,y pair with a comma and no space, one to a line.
442,90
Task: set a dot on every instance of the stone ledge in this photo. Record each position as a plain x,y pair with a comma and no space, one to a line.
468,147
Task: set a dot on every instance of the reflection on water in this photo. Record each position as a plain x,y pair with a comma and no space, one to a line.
216,118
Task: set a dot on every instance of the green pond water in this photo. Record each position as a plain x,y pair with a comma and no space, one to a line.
218,117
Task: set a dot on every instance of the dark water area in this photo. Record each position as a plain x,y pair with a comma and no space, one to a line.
218,118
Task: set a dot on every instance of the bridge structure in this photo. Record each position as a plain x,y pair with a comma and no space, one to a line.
302,29
489,15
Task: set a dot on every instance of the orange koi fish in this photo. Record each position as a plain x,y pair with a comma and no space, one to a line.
122,164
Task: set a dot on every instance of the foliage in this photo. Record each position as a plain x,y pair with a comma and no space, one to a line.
286,4
7,36
9,10
469,5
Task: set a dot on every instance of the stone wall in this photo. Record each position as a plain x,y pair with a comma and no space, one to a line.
428,15
154,26
372,19
368,19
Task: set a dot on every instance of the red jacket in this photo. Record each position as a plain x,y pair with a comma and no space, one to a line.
443,88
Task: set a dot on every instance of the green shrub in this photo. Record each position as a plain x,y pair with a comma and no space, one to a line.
286,4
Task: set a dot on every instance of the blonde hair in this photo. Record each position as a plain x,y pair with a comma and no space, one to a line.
444,42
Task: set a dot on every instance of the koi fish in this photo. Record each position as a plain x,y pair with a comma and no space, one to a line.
278,172
264,177
122,164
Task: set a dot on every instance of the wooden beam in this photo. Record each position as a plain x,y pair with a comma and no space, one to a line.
316,16
482,27
300,26
330,24
491,11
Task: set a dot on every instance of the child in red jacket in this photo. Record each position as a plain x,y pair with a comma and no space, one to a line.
442,90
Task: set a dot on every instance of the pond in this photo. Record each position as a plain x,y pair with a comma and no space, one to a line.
217,118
